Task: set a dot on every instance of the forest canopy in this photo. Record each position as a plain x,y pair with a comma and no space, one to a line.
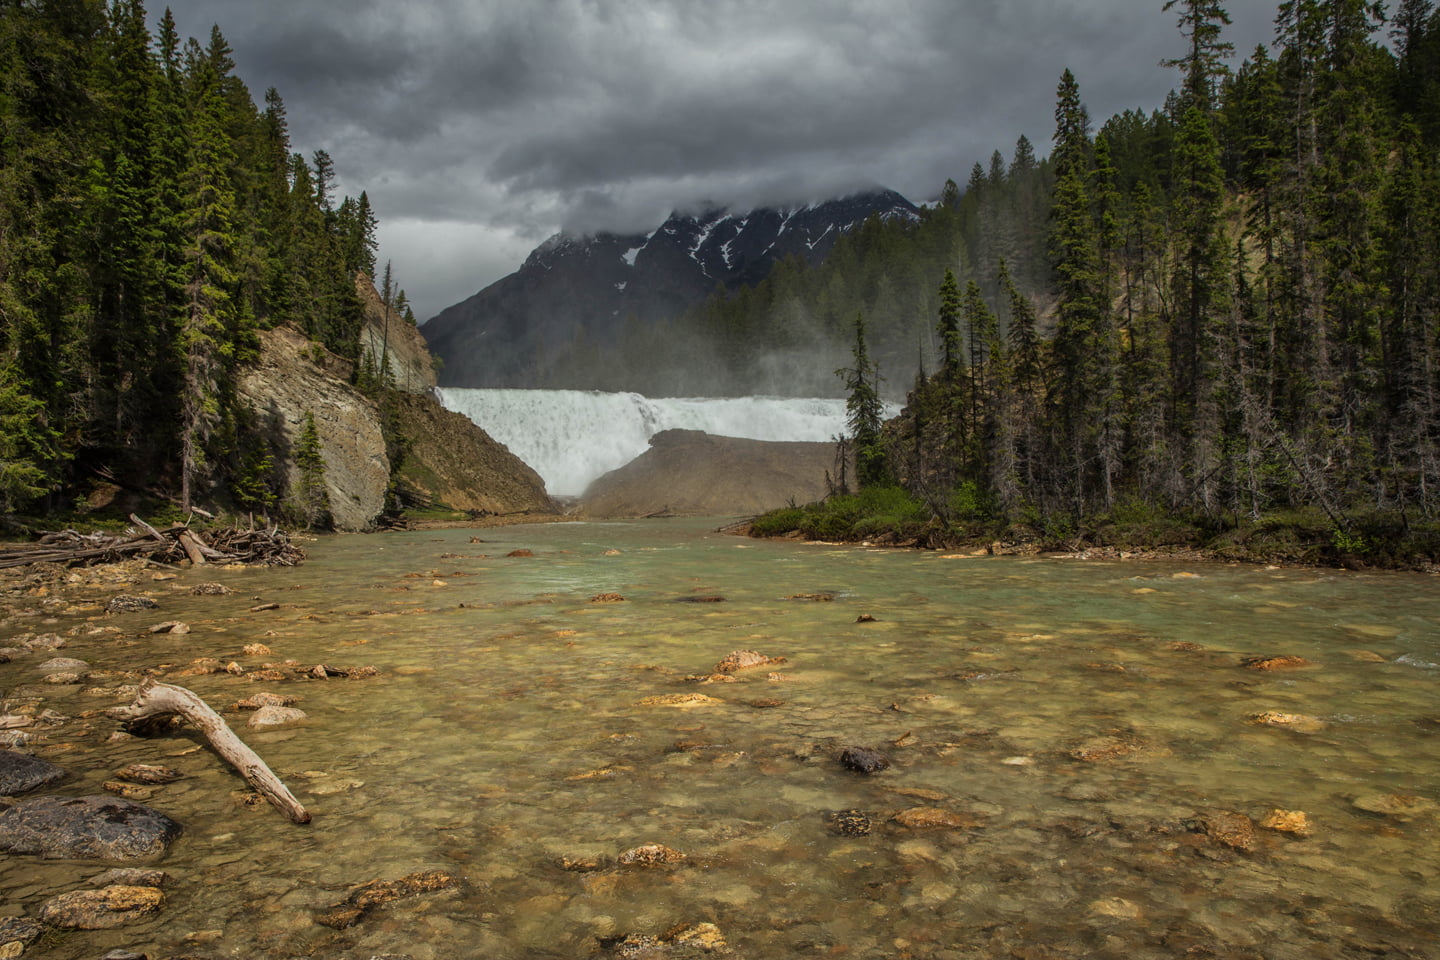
153,219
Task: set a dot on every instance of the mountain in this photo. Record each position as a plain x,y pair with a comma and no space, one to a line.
538,326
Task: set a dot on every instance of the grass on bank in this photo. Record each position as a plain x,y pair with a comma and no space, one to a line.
890,515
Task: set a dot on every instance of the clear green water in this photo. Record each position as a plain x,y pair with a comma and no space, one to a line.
506,733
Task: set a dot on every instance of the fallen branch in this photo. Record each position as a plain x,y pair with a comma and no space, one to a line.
163,700
225,545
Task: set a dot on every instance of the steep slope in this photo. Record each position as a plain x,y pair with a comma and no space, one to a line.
689,473
453,462
526,329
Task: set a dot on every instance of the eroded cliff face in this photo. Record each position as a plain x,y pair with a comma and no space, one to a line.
454,462
282,386
387,334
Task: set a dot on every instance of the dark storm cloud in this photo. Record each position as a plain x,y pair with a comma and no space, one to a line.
480,127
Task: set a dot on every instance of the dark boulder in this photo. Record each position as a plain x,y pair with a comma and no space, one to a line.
20,772
862,760
86,828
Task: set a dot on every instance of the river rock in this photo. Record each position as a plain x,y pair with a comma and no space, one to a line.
367,896
171,626
1298,722
1293,822
1230,829
94,827
17,933
124,603
148,773
1274,663
607,598
264,699
918,818
649,855
679,700
112,906
848,823
20,772
1398,806
210,589
863,760
269,716
64,665
744,659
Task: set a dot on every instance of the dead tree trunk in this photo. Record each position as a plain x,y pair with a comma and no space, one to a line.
163,699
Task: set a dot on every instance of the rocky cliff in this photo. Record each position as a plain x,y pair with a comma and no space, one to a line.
689,473
450,461
283,386
386,334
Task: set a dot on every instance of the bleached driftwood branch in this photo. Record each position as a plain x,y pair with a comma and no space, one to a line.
163,699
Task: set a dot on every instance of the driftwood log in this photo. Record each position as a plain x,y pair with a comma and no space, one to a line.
163,700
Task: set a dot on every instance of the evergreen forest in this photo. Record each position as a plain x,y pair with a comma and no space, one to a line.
1219,315
153,219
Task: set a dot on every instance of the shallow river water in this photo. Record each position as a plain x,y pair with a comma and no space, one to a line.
1075,732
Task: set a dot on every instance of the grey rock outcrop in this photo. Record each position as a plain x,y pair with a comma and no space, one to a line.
283,386
387,334
86,828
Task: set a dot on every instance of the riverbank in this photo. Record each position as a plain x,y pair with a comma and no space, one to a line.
887,516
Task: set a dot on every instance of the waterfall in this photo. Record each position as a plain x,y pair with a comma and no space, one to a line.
570,437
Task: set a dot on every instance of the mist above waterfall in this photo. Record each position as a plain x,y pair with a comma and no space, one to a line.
571,437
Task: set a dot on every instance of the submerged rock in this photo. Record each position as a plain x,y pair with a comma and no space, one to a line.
148,773
918,818
744,659
649,855
1298,722
848,823
1230,829
86,828
607,598
272,716
1398,806
210,590
1274,663
112,906
20,772
1293,822
367,896
17,933
863,760
123,603
679,700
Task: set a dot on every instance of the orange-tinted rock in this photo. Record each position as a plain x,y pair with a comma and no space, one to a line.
1274,663
650,854
919,818
1293,822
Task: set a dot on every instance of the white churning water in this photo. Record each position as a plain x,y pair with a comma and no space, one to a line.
571,437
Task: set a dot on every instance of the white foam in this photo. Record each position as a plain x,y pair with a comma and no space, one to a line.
571,437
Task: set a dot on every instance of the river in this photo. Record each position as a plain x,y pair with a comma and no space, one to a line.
1077,724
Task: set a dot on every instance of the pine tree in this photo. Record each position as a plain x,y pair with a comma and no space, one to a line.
311,496
864,412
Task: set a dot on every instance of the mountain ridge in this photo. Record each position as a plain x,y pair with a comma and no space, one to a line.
576,291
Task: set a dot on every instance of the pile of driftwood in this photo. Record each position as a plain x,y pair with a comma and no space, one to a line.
177,542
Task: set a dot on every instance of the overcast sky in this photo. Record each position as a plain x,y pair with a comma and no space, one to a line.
480,127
